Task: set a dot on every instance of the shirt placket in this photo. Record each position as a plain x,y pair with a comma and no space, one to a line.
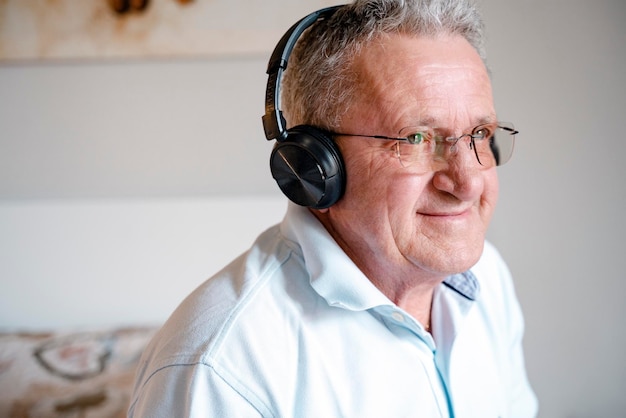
404,326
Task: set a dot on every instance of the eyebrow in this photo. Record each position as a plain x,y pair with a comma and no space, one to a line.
430,121
487,119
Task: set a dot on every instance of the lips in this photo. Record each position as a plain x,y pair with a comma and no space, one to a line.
446,213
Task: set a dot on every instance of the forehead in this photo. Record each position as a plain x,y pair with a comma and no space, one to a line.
422,79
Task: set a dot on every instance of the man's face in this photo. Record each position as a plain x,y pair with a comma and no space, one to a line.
400,219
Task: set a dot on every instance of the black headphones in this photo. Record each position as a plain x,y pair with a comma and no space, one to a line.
305,161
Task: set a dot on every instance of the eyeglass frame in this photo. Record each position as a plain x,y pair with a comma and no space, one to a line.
450,139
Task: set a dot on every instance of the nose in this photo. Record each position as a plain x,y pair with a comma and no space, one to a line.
461,176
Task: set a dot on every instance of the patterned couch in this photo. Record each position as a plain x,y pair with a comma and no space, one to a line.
74,374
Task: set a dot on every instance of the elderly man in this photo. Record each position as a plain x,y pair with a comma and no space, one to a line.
377,295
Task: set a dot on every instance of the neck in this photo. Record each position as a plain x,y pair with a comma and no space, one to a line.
407,285
414,298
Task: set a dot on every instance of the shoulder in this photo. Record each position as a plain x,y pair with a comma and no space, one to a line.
214,330
208,312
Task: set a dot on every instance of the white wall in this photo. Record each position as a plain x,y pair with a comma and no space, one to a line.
120,183
560,74
117,262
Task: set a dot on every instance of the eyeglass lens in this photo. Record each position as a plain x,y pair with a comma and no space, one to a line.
492,145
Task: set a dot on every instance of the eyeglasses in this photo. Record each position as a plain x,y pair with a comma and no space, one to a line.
424,147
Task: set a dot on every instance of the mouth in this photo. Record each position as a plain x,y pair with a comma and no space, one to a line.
447,214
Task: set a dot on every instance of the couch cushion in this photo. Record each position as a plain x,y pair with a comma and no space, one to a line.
84,374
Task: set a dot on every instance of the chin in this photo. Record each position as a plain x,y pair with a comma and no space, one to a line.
465,257
452,259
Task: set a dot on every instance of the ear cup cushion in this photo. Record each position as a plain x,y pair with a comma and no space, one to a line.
308,167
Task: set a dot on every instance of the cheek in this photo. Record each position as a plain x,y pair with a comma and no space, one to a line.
387,186
405,195
406,192
368,172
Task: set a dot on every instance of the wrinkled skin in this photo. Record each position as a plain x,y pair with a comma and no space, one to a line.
406,230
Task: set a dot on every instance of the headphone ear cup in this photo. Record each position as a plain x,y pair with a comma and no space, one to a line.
308,167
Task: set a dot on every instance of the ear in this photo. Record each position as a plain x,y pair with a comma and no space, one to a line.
323,210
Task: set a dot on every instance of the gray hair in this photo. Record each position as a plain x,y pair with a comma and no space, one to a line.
319,83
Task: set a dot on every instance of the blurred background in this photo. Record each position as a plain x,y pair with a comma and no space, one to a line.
133,166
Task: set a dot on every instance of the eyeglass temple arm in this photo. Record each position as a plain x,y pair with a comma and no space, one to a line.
511,131
390,138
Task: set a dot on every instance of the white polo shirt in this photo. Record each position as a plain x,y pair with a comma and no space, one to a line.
292,328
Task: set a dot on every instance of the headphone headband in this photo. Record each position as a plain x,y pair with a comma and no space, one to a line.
273,120
305,162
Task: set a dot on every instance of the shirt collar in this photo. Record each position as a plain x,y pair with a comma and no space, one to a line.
464,284
333,275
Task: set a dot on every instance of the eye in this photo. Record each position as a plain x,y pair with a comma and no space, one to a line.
482,132
416,135
416,138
